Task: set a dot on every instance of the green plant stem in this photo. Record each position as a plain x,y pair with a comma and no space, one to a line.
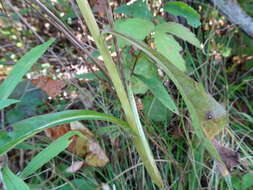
139,140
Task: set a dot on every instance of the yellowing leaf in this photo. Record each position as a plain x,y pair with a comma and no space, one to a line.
88,147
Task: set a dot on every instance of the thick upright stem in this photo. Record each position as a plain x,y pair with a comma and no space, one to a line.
139,139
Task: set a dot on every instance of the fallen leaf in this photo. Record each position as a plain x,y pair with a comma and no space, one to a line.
96,156
57,131
50,86
230,158
75,166
77,126
86,147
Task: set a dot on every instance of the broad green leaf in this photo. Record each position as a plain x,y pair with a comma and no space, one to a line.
138,9
159,92
155,110
178,8
7,102
30,98
48,153
143,67
11,181
247,181
169,48
137,28
208,117
25,129
21,68
179,31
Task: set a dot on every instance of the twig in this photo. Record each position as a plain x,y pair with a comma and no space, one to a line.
57,22
235,15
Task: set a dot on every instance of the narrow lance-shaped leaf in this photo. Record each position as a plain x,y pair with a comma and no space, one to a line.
11,181
48,153
25,129
208,116
21,68
141,143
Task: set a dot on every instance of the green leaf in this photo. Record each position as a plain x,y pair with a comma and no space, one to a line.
48,153
236,182
137,28
143,65
247,181
208,117
21,68
79,183
170,48
138,9
11,181
179,31
178,8
141,143
155,110
159,92
7,102
25,129
30,98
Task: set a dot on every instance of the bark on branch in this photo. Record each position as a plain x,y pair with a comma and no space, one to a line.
235,15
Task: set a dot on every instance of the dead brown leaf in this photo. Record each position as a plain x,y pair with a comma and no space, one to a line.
87,147
50,86
58,131
230,158
96,156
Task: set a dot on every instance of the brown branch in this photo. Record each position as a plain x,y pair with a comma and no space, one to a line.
234,13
